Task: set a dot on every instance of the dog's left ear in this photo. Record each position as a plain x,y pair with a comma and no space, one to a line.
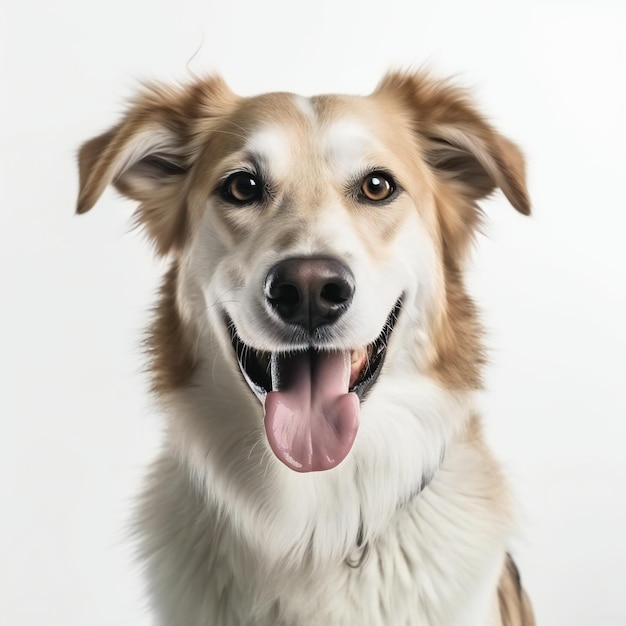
459,144
148,155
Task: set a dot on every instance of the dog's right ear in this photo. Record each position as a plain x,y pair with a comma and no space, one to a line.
148,155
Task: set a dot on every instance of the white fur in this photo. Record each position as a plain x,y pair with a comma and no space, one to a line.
149,141
306,108
272,145
346,145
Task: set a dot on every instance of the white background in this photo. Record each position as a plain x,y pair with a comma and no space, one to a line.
76,425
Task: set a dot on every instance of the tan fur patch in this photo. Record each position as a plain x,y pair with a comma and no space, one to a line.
169,344
459,354
515,608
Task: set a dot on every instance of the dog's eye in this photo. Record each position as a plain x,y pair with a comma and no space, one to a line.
242,188
377,186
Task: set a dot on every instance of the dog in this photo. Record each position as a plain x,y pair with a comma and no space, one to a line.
317,355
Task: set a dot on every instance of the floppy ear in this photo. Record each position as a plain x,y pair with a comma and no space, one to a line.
460,145
467,155
148,155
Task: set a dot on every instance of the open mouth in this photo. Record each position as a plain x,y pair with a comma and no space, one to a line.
311,397
262,369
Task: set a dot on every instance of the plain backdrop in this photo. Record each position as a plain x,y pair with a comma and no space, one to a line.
76,425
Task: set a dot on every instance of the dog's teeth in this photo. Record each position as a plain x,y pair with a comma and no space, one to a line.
358,360
357,356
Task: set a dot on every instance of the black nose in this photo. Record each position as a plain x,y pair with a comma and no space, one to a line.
309,291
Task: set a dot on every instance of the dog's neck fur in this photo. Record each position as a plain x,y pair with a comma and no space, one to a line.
361,551
282,551
407,574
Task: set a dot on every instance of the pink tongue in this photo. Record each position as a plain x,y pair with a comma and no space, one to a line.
311,422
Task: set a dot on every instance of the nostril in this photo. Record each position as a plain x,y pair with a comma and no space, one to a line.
288,294
335,293
286,299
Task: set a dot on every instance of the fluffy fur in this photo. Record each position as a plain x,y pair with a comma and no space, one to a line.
413,527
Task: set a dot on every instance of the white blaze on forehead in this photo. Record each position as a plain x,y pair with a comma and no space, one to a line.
346,145
305,106
271,144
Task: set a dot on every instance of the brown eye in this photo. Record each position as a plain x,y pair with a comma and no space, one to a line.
242,188
377,187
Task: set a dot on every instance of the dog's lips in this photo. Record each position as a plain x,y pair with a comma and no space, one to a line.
311,396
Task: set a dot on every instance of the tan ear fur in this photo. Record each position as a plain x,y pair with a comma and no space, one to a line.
461,146
148,154
88,157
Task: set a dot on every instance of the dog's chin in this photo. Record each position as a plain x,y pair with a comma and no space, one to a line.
311,395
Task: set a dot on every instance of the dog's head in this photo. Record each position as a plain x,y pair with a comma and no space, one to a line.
318,241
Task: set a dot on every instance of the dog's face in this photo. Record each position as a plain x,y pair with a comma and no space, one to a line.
317,241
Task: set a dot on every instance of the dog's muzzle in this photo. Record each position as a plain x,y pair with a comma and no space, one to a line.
311,395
